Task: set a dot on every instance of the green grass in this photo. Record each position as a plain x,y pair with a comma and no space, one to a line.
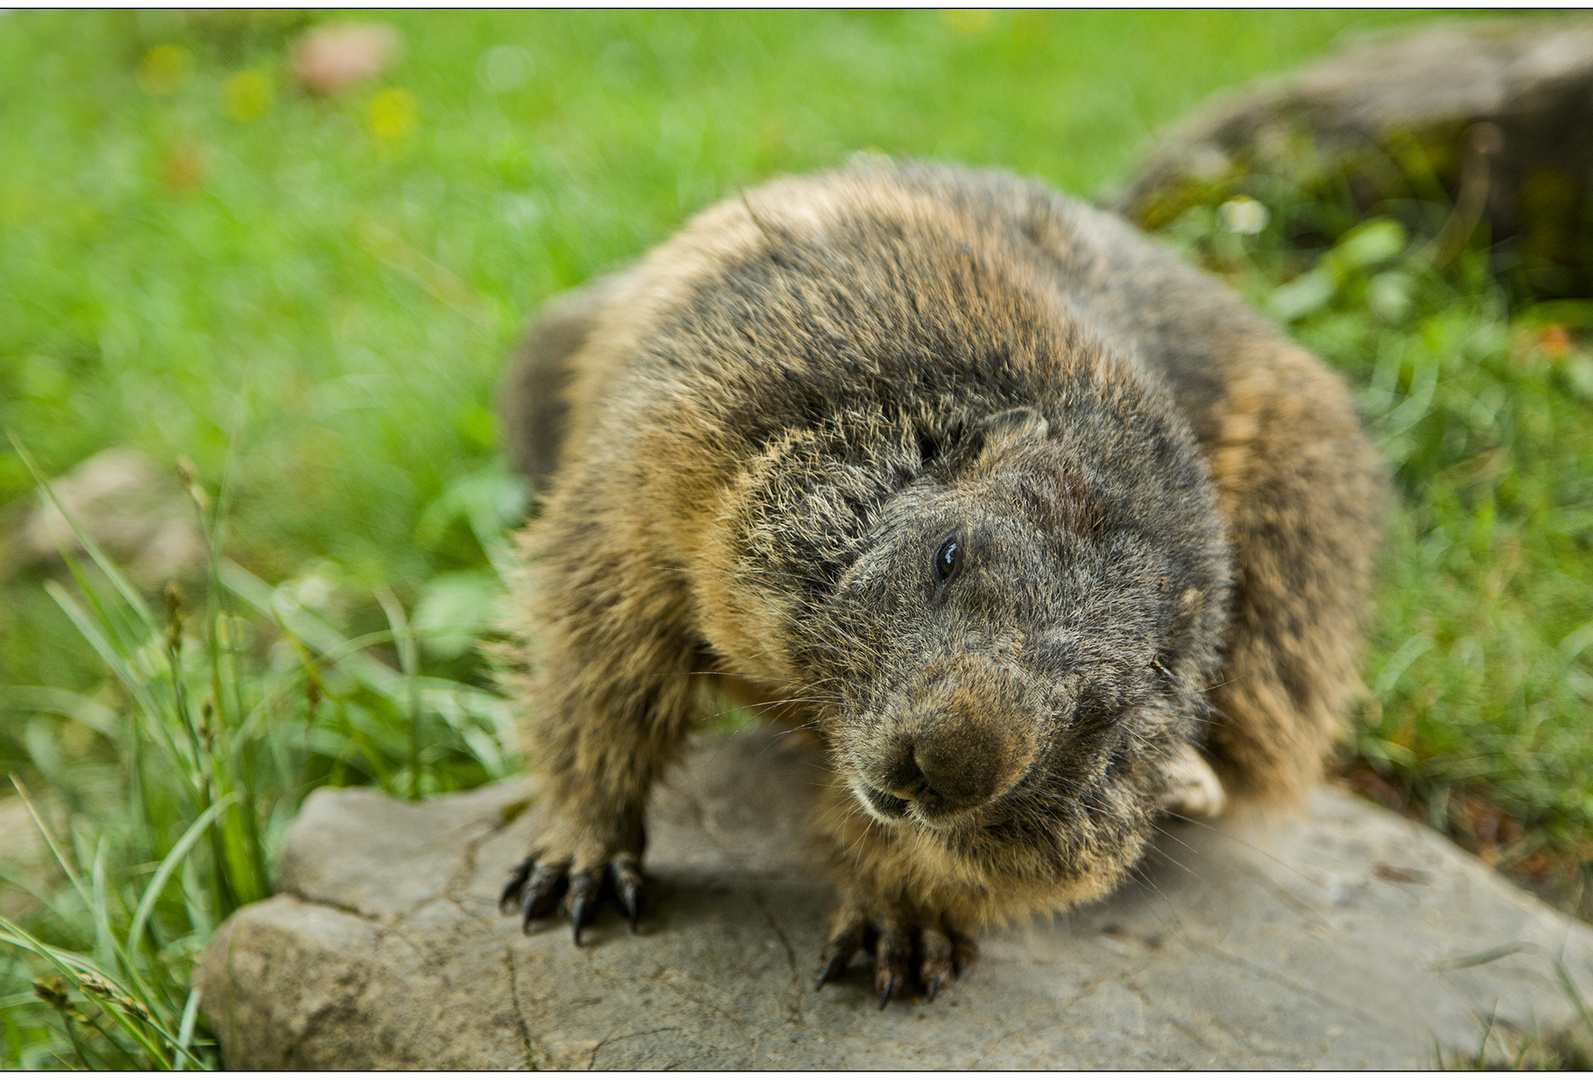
208,753
332,306
312,298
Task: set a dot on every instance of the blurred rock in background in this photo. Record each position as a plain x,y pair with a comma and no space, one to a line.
333,58
23,853
135,511
1499,114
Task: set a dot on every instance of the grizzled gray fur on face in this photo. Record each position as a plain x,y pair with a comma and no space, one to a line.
1035,529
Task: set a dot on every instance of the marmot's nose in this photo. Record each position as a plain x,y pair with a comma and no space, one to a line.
904,778
944,773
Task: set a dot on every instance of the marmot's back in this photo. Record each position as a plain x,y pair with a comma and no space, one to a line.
1118,286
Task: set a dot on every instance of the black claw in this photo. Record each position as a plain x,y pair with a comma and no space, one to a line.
935,985
580,911
584,888
631,901
509,899
890,988
838,954
892,951
832,969
628,887
542,893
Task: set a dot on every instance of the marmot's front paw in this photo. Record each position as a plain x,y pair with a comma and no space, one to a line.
536,885
903,948
1193,790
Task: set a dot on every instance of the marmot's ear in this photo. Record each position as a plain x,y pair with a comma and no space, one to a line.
990,437
1013,426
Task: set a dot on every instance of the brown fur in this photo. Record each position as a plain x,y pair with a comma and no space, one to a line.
986,489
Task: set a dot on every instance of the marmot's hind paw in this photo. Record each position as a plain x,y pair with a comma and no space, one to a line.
903,954
537,884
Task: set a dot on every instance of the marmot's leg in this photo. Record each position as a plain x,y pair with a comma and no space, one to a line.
917,934
611,694
1303,493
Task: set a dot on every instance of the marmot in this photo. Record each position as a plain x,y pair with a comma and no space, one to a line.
1037,528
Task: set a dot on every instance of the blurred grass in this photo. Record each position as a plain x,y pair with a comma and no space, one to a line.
327,289
311,298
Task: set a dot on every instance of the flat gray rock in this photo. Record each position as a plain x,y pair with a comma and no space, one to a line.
1330,941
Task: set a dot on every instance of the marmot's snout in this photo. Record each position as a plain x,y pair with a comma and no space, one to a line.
960,740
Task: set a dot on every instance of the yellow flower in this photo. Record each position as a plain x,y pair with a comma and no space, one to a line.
247,94
393,114
164,69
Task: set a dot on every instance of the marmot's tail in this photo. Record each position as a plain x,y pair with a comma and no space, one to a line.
531,399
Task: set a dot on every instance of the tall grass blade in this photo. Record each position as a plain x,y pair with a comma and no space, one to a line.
410,661
104,940
49,699
185,1030
1488,956
136,687
169,864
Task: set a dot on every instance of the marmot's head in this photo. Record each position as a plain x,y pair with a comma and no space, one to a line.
1026,625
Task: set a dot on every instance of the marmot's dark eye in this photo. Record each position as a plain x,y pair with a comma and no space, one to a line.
948,560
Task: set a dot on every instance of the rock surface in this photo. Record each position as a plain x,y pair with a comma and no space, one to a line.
127,505
1327,942
1530,82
